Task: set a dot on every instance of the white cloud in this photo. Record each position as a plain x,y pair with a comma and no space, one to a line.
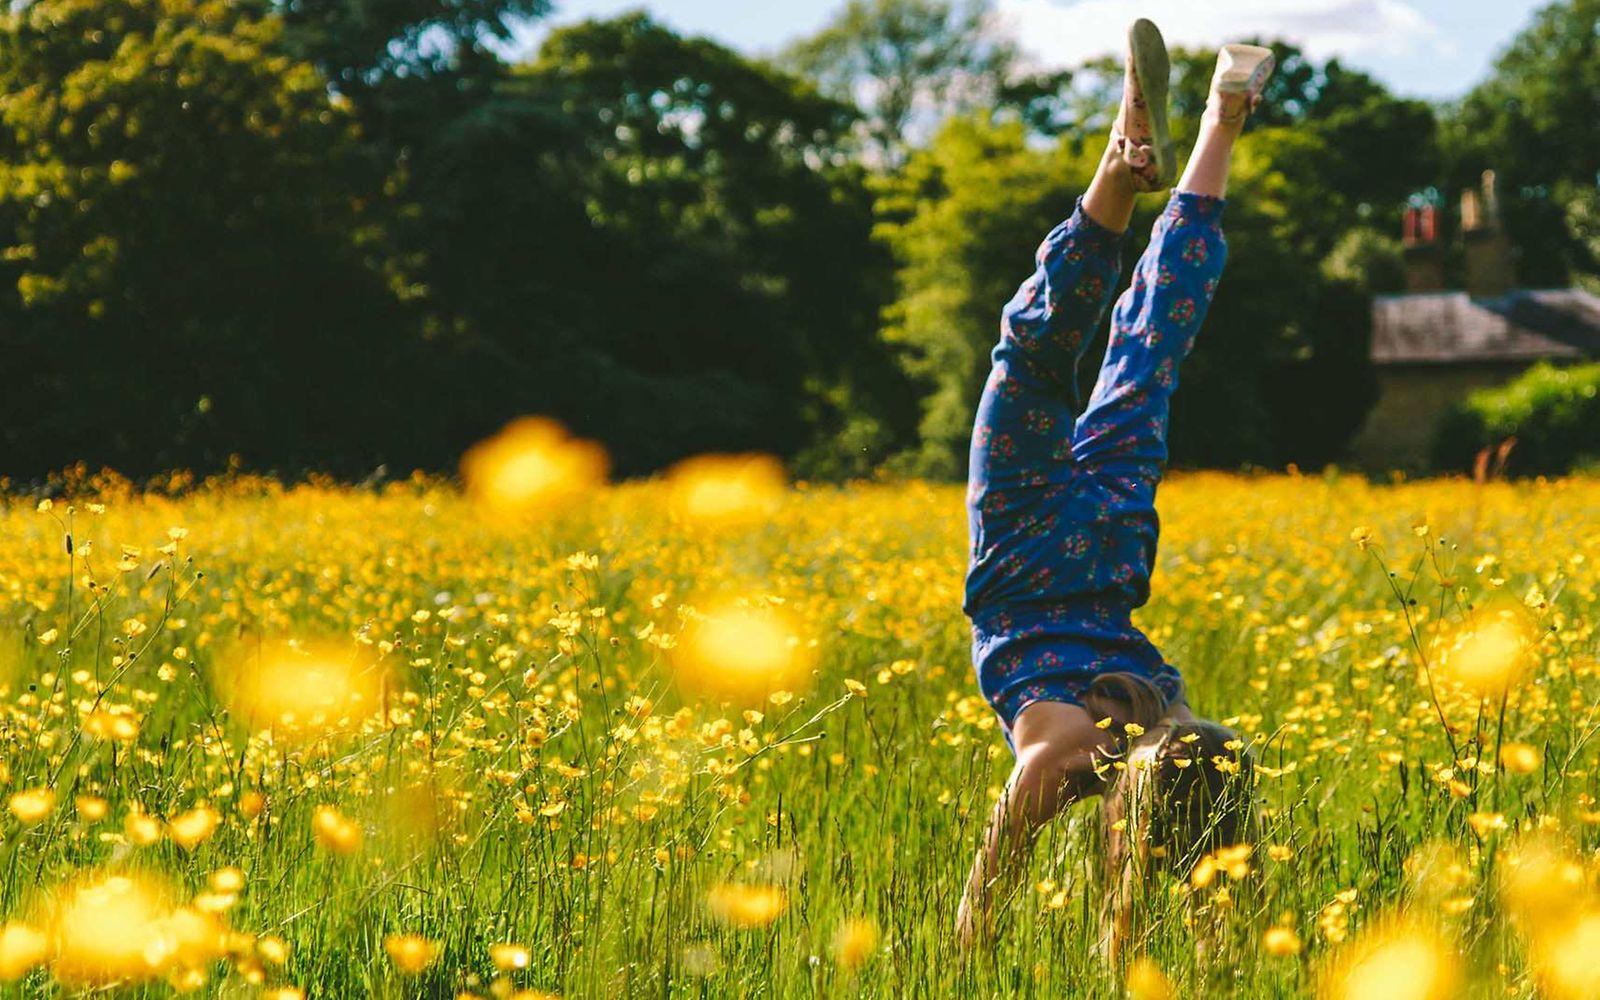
1066,32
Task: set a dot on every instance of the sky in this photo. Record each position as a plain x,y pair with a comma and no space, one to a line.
1434,49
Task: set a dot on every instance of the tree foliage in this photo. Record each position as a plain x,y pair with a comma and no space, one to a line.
334,235
910,61
1536,122
194,267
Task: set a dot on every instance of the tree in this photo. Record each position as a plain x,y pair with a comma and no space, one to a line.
676,244
913,62
194,266
1536,122
362,43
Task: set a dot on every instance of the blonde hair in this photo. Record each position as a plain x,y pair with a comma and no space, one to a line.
1183,790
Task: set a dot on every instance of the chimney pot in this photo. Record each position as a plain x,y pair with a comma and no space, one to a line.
1424,260
1489,269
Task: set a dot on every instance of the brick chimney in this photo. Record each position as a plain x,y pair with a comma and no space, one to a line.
1489,270
1422,253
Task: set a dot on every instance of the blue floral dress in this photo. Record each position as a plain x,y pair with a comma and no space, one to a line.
1061,504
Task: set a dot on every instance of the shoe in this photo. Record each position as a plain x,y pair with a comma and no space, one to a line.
1140,134
1242,72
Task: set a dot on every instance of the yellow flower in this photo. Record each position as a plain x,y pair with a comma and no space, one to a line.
1146,981
1488,658
410,953
1280,942
1567,958
1485,823
742,651
334,832
532,465
33,806
110,928
742,905
301,690
1520,758
251,804
727,489
855,941
272,949
1362,536
1394,962
142,830
21,948
189,830
509,957
228,879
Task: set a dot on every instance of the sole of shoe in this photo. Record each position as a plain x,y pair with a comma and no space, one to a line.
1249,68
1153,68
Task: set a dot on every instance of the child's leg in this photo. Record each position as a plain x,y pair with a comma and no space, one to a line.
1124,427
1022,435
1123,431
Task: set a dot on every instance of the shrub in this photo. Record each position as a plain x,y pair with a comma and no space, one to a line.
1554,413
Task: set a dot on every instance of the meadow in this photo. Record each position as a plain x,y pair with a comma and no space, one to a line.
717,735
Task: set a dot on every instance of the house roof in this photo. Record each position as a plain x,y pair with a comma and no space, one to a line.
1452,327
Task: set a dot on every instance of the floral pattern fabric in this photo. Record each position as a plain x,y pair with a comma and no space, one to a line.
1061,503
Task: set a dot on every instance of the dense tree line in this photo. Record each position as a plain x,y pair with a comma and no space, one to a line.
333,235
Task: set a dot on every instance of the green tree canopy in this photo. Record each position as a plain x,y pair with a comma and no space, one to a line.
192,265
361,42
1536,122
905,60
678,244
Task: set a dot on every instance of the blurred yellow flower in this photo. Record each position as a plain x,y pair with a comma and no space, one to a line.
410,953
742,651
1520,758
1146,981
141,829
109,928
251,803
742,905
532,465
509,957
21,948
1541,881
1490,657
855,941
1280,942
1567,958
334,832
1394,962
119,726
228,879
301,690
189,830
727,489
33,806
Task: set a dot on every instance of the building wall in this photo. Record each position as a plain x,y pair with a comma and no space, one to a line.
1412,403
